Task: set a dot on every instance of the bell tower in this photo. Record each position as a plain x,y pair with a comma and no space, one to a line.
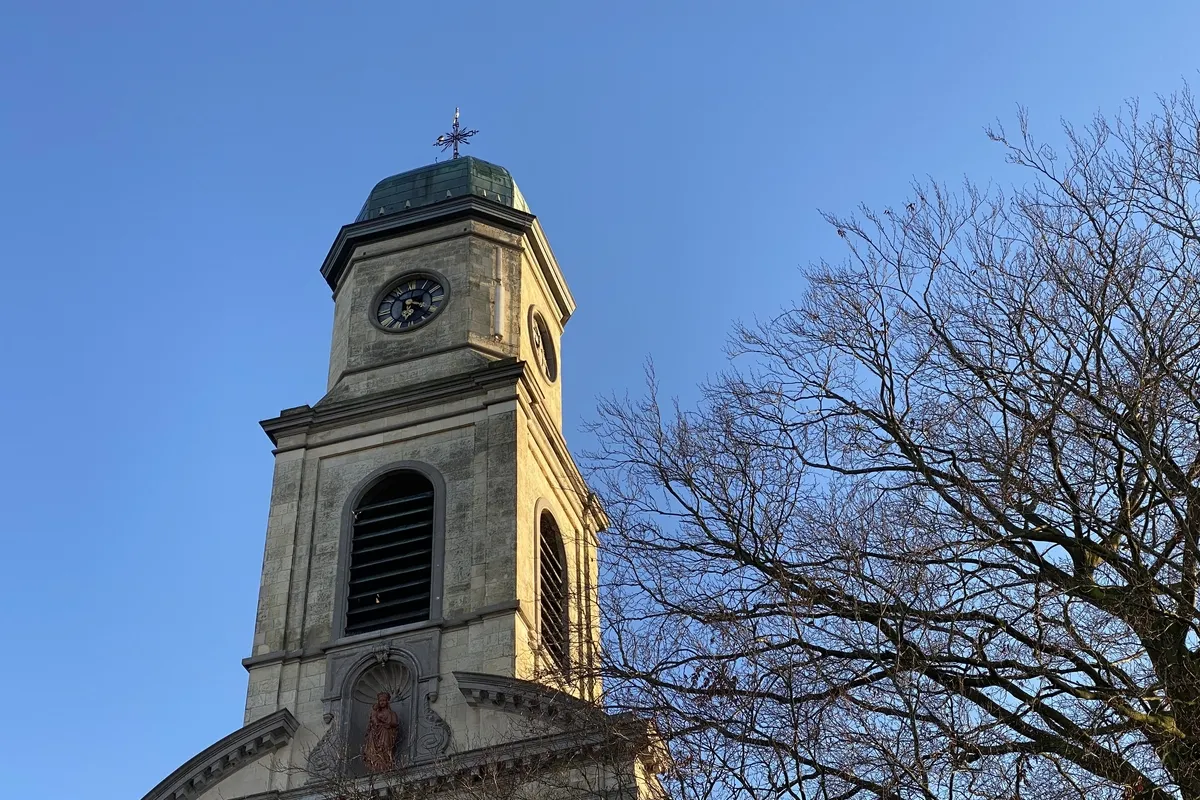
448,308
430,554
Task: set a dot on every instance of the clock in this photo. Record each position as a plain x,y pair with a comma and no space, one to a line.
543,346
411,301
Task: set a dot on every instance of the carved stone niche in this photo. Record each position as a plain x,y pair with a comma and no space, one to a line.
406,668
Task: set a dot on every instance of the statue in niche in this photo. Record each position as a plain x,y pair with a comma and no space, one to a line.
383,729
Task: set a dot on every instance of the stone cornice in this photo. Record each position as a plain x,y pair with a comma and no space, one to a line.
227,755
352,236
505,372
306,419
612,739
551,272
447,623
516,695
583,719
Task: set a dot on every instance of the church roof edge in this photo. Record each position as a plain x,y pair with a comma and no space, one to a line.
434,213
205,769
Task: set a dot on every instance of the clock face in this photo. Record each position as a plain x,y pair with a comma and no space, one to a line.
411,302
543,346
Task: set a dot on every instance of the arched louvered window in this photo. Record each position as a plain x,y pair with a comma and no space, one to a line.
552,564
391,554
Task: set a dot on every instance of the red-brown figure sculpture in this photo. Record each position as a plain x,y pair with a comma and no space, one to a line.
383,728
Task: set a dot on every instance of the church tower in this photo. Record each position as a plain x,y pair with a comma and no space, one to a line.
428,597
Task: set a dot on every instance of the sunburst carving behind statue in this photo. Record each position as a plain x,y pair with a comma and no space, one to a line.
390,677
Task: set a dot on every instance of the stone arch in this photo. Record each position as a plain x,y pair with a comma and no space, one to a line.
552,589
386,669
345,535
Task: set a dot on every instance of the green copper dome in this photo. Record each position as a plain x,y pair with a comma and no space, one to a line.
442,181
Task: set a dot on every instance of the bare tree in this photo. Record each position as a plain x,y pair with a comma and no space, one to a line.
934,534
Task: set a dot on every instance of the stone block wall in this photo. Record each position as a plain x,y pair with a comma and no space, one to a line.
496,447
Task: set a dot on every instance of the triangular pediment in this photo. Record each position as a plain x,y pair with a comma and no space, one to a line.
245,746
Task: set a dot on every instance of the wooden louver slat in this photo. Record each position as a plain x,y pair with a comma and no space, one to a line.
391,554
553,600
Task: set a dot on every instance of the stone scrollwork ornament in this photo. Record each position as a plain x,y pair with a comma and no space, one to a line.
436,738
324,759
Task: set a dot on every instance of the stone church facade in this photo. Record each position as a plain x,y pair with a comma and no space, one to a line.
427,617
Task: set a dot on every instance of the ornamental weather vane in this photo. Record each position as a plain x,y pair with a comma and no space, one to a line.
455,137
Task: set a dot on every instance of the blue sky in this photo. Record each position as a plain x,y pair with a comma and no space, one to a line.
172,174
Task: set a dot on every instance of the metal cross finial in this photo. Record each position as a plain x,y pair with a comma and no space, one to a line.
455,137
